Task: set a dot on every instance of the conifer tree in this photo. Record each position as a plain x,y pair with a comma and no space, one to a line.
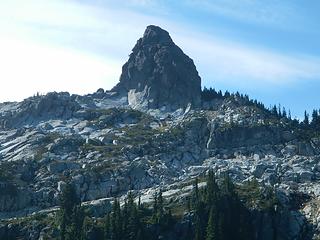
315,117
211,227
279,110
289,115
198,229
116,221
284,112
274,110
211,189
107,227
155,207
195,195
306,119
71,214
160,206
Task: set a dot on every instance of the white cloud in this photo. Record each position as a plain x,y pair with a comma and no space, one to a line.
58,45
27,68
232,61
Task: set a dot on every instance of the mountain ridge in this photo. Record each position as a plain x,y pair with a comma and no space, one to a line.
106,147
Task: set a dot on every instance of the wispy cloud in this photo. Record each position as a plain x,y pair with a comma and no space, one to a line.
230,61
272,12
87,42
28,68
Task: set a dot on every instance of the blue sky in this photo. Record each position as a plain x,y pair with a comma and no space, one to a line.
267,49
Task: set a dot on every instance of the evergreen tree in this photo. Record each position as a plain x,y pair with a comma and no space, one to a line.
160,206
228,186
76,228
198,229
133,218
306,119
315,117
107,227
116,221
284,112
155,208
195,195
212,190
200,220
289,115
71,214
139,202
86,227
279,110
211,227
274,110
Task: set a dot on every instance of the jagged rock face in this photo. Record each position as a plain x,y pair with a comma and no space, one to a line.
38,108
159,74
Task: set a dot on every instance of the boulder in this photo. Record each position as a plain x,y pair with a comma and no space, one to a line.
59,167
305,176
289,150
259,169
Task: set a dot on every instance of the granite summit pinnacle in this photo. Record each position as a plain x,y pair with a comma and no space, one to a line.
159,74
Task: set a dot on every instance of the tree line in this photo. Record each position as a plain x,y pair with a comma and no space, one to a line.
216,213
309,121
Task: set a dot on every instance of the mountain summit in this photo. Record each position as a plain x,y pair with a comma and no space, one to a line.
158,74
66,157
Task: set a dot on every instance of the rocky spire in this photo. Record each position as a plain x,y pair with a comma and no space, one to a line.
158,74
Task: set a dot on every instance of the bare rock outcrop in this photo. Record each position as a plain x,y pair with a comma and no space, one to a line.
159,75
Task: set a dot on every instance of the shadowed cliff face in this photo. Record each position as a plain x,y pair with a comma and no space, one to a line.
159,74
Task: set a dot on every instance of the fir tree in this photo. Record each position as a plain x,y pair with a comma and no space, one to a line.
315,117
284,112
289,115
195,195
211,227
211,189
160,206
107,228
274,110
306,119
198,229
71,214
116,221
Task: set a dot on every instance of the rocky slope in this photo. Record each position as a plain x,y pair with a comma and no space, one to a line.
109,142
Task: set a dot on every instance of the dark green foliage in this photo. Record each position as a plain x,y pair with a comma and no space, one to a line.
315,121
216,213
219,213
255,196
212,226
124,223
134,222
306,119
275,115
309,127
71,215
210,94
7,188
158,211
